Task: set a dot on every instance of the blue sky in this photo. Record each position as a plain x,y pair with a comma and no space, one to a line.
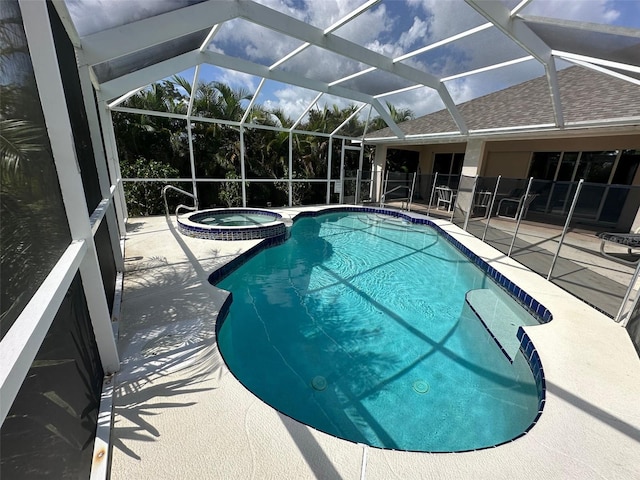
391,27
395,27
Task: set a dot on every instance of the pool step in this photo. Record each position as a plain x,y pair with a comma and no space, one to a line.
501,321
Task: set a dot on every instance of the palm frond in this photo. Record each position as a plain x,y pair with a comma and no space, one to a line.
19,139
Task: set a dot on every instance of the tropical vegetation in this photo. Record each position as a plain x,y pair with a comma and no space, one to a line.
152,146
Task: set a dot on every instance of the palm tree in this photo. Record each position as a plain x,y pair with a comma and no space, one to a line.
398,116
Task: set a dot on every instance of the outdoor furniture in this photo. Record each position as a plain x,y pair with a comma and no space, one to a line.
445,197
482,200
520,203
629,240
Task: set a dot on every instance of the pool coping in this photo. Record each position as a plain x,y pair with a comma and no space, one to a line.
584,431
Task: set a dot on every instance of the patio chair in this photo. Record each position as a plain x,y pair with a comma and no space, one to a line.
445,196
482,201
629,240
521,203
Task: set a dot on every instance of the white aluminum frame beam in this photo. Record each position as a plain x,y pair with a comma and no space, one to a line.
21,343
98,148
596,61
606,71
515,28
286,25
347,18
489,68
306,110
352,76
358,110
520,6
253,101
214,30
67,21
442,42
145,76
119,41
23,340
194,88
583,26
52,96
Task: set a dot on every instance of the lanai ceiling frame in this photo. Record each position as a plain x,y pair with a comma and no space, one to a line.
117,42
199,23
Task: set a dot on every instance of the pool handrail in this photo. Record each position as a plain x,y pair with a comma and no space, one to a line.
404,200
179,190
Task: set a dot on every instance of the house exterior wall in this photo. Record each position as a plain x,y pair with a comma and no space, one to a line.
511,158
427,154
509,164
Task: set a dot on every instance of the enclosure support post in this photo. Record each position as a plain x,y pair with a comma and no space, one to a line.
342,173
493,201
192,163
413,186
566,226
242,169
290,169
359,173
329,158
113,164
384,189
520,215
470,208
623,312
433,192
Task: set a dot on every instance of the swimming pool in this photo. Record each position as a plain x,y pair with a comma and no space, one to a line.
232,224
360,326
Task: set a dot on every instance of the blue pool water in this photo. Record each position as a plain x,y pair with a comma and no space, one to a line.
357,326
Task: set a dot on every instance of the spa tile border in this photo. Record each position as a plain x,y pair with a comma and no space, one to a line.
193,229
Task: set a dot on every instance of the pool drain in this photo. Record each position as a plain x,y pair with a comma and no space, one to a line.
420,386
319,383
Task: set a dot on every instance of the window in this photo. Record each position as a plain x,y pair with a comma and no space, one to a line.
606,167
448,163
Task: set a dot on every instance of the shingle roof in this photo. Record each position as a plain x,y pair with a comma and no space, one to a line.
586,95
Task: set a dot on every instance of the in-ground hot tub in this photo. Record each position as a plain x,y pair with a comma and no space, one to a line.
232,224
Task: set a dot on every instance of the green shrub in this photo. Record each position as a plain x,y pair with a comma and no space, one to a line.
145,198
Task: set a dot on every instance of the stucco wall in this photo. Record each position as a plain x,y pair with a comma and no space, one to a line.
427,154
573,144
508,164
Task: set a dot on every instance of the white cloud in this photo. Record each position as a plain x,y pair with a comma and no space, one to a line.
368,27
239,80
414,34
446,18
420,101
291,100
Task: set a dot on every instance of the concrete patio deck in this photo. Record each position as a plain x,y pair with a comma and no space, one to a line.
179,413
